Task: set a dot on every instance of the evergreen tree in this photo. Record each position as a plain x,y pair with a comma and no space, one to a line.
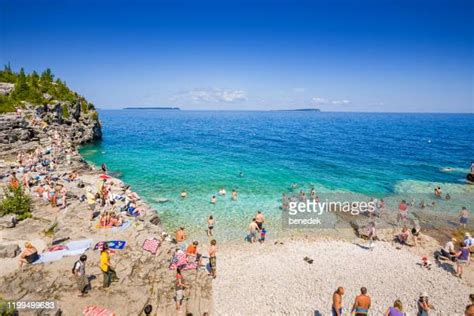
22,89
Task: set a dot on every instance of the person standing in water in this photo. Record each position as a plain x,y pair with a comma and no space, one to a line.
234,195
362,303
180,234
260,219
337,302
253,230
463,217
210,225
213,199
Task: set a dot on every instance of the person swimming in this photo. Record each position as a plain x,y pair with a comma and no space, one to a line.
234,195
184,194
213,199
222,191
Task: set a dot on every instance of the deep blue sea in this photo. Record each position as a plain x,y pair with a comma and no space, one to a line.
163,152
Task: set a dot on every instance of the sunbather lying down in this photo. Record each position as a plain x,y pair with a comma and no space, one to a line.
110,219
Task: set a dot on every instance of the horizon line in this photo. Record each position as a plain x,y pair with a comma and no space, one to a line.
276,110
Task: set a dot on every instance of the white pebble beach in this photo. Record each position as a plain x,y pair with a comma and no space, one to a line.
269,279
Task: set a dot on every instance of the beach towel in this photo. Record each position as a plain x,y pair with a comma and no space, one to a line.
49,257
113,244
180,260
79,244
93,310
56,248
72,248
123,227
151,245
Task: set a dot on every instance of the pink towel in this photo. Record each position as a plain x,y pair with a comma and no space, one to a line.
92,310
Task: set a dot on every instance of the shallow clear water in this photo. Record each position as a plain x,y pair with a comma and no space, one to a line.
161,153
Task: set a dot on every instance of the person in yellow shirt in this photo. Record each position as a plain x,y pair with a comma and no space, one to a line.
108,272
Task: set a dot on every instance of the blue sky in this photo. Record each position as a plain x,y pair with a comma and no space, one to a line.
394,56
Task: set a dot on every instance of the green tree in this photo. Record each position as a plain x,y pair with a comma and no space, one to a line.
46,81
22,90
7,75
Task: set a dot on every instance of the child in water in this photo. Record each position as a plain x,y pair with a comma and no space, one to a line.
263,234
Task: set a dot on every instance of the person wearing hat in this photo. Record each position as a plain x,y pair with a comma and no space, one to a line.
424,306
468,240
448,251
79,271
91,200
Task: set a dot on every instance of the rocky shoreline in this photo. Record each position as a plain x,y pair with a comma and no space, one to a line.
144,277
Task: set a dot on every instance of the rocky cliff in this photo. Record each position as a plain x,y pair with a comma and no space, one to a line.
77,121
144,277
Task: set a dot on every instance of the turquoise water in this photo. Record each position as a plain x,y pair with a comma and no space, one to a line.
161,153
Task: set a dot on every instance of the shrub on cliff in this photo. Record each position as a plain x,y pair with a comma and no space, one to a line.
65,112
95,116
16,202
32,87
6,104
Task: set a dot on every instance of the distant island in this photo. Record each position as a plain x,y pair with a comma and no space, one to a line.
301,110
153,108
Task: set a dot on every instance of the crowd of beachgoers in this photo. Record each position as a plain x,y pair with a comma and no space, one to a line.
113,205
47,175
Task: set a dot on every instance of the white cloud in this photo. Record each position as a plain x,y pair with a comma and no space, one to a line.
340,102
318,100
324,101
213,95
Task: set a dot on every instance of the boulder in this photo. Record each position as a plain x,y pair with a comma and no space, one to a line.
6,88
9,250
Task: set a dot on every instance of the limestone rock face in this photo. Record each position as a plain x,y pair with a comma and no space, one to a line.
21,133
6,88
9,250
